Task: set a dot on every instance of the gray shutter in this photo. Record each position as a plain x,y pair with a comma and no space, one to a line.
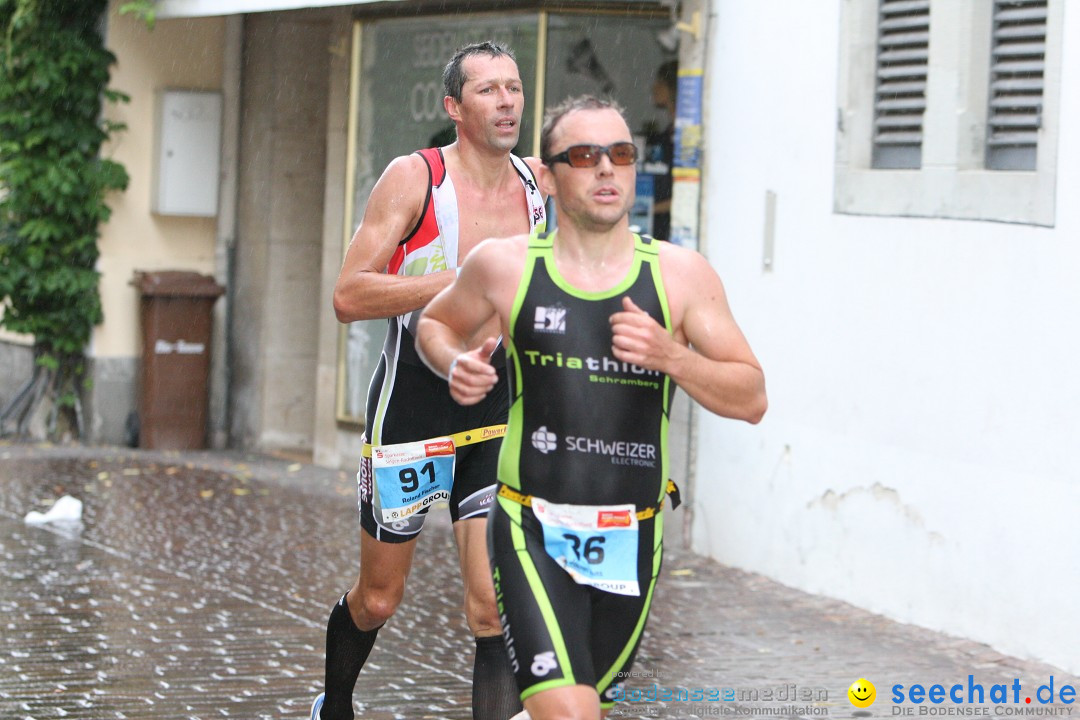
1017,63
903,51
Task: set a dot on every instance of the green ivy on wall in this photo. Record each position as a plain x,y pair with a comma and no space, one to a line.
54,69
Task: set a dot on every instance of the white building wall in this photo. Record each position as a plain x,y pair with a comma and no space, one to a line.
919,455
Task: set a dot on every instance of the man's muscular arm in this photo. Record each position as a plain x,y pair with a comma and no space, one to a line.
708,356
364,291
458,317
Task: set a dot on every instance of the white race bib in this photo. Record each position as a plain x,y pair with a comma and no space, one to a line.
596,544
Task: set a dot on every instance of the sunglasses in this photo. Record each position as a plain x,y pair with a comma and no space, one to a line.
587,156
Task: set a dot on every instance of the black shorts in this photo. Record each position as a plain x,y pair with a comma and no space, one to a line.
559,633
417,405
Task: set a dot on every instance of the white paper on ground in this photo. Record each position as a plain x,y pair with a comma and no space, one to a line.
66,508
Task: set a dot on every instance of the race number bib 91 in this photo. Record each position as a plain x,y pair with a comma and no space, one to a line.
411,476
596,544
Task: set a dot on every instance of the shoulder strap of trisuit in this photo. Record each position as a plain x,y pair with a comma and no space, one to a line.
646,244
540,239
436,164
537,211
436,168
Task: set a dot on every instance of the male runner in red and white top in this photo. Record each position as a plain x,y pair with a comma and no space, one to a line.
424,215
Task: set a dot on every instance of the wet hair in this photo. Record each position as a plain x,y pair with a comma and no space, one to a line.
453,76
582,102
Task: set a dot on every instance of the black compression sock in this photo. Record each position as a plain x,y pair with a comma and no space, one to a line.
347,649
494,691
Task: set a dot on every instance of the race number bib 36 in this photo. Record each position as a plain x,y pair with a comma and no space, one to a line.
596,544
411,476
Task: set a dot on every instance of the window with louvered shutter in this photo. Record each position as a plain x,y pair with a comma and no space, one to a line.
903,50
1017,65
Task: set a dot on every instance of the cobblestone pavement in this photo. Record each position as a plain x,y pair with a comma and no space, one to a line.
198,585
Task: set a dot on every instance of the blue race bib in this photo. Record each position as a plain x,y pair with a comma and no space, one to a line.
411,476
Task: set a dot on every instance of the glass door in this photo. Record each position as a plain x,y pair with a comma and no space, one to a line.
621,55
397,108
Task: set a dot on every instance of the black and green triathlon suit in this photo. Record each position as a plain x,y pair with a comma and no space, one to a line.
584,430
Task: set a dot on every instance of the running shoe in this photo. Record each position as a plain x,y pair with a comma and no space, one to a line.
316,706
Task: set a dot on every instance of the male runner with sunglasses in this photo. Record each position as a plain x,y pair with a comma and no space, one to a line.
424,215
599,325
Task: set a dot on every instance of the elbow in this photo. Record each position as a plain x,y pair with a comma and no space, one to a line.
342,311
757,406
339,309
759,400
749,409
347,307
757,409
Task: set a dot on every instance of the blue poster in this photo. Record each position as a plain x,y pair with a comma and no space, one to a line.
688,120
641,213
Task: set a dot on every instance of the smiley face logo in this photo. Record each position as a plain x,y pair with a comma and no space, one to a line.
862,693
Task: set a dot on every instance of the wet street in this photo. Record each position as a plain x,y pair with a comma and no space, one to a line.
197,586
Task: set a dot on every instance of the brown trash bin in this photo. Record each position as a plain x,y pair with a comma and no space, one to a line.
176,317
